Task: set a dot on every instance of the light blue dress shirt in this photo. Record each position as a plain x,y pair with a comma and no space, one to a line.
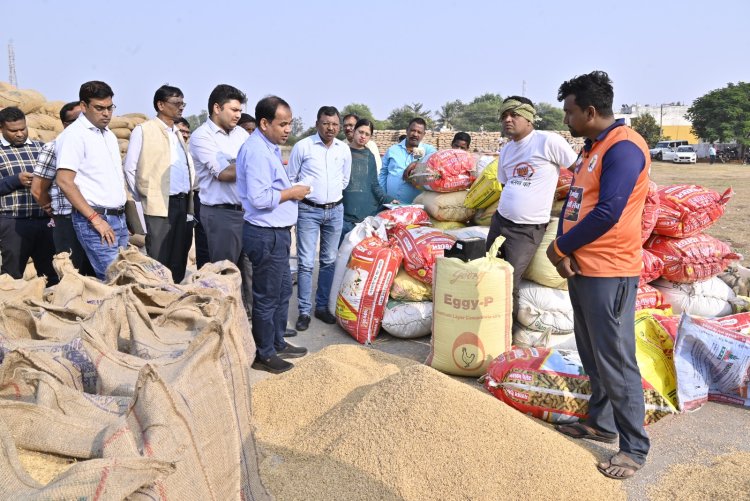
260,179
395,161
325,169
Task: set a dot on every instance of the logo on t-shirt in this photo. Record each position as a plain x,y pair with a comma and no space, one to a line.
524,170
573,207
592,163
579,163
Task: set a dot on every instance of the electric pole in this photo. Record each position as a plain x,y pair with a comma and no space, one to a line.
12,65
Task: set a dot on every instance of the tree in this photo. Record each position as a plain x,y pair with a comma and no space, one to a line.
361,110
297,126
550,117
449,112
646,126
483,113
400,117
723,114
196,120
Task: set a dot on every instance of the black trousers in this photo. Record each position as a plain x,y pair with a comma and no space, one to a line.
64,236
168,238
24,238
201,241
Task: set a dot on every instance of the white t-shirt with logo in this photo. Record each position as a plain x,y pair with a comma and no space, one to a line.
528,170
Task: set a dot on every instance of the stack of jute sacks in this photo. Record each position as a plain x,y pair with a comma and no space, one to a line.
143,382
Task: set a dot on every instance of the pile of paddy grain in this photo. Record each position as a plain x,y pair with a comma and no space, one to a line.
726,477
353,423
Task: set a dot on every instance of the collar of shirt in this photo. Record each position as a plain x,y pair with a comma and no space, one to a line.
317,139
6,144
271,146
173,128
85,123
617,123
216,129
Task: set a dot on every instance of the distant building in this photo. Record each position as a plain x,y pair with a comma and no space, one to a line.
670,117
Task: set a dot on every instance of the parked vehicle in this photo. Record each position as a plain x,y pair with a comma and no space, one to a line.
685,155
657,152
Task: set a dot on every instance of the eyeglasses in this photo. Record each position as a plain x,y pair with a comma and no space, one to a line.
102,109
177,104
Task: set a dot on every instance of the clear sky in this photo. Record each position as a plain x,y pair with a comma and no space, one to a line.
381,53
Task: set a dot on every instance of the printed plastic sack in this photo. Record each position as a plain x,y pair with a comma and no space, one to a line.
652,267
551,385
470,232
650,211
472,310
712,363
407,288
408,214
691,259
564,181
654,347
649,298
486,189
544,309
408,320
686,210
369,227
739,323
420,247
445,171
709,298
364,289
540,270
523,337
445,206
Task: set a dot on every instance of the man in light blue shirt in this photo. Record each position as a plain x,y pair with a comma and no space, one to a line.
324,163
399,157
269,201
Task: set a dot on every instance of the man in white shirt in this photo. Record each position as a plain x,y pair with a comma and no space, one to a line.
89,173
528,168
324,163
160,174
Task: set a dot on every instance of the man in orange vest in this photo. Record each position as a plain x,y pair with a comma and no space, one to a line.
598,249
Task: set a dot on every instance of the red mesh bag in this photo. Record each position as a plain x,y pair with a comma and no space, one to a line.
651,269
563,184
406,215
445,171
692,259
421,246
686,210
650,211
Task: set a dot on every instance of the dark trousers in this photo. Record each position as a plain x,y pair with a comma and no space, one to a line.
24,238
268,252
604,323
168,238
521,242
201,242
64,236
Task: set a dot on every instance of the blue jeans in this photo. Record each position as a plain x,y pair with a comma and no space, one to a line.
312,222
100,253
268,251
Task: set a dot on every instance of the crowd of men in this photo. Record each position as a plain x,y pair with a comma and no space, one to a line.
225,186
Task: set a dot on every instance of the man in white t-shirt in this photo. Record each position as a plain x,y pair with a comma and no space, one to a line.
528,169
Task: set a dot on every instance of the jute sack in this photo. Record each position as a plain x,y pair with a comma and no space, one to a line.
29,319
43,122
120,123
78,293
63,370
483,217
26,100
111,478
14,290
136,117
132,267
471,320
540,269
445,206
51,108
122,133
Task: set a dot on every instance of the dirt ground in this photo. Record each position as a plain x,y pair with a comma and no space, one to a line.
732,228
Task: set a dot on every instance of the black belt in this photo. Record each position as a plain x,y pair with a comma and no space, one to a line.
227,206
105,211
179,196
269,227
321,206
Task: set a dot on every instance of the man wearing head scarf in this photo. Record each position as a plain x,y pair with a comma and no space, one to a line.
528,168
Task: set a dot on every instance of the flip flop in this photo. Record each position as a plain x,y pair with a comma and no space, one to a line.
620,467
580,430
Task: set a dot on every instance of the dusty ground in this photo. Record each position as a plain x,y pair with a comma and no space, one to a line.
733,227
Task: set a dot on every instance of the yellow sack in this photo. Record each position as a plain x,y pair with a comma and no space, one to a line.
486,189
653,351
446,225
407,288
472,313
540,270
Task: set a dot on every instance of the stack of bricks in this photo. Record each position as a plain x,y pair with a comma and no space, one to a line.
481,142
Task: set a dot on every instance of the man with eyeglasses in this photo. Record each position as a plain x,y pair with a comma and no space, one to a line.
160,173
47,193
324,163
89,173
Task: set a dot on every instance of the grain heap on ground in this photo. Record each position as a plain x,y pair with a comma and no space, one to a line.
725,477
353,423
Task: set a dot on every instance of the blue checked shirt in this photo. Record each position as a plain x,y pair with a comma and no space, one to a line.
13,160
46,168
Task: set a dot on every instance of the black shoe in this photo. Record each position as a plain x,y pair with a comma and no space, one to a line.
275,364
292,351
303,322
290,333
325,316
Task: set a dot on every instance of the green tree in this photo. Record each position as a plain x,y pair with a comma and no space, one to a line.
550,117
359,109
449,112
196,120
646,126
723,114
297,126
483,113
400,117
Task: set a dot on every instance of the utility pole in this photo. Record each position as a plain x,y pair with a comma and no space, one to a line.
12,65
523,88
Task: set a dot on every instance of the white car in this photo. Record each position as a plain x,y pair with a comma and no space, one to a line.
683,155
